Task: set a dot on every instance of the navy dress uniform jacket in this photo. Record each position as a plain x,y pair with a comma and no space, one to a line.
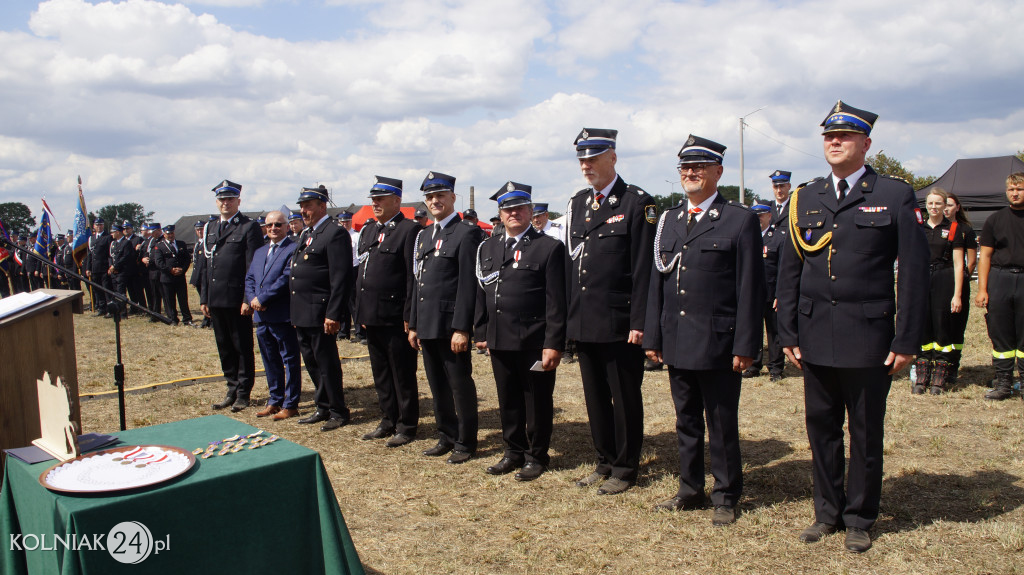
270,284
318,275
610,270
99,253
708,308
385,282
124,258
773,242
231,253
165,259
446,290
524,307
838,304
780,221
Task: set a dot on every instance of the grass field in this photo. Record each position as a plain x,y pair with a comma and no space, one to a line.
952,494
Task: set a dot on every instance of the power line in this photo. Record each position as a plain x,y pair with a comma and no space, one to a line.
780,142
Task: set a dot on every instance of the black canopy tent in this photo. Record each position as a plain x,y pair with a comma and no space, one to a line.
980,183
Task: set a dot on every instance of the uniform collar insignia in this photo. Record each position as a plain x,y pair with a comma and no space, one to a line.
713,213
613,201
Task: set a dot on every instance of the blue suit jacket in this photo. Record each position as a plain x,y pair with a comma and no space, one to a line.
271,287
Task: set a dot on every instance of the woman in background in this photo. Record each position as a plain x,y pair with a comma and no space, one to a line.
956,213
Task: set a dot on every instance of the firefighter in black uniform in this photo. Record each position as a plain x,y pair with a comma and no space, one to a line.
522,276
155,295
772,242
956,213
946,264
781,185
838,318
321,266
442,317
609,234
173,259
123,265
385,285
229,244
704,321
1001,286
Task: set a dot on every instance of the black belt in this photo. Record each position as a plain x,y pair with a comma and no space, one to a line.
1011,269
940,266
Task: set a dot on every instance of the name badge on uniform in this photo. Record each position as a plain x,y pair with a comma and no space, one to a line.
615,218
516,257
437,248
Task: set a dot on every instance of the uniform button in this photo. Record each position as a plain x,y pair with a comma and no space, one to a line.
682,269
497,295
682,292
682,313
421,299
834,226
585,254
584,288
499,281
834,302
584,271
833,278
293,292
362,289
686,247
833,250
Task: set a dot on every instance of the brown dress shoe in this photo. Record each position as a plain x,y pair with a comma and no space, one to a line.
614,486
285,414
268,410
591,479
723,515
815,532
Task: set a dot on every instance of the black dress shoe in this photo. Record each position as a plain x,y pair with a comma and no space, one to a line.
459,456
315,417
380,432
773,377
228,401
857,540
506,465
750,372
687,503
532,470
239,405
815,532
441,448
334,423
399,440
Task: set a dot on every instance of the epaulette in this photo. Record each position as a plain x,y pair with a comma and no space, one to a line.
805,184
897,178
737,204
470,224
582,192
639,191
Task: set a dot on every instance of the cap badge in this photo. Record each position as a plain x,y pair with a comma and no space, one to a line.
585,135
690,141
839,106
510,187
430,175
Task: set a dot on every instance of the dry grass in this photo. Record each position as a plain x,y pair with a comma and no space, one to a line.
952,500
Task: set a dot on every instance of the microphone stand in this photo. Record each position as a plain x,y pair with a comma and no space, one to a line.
115,308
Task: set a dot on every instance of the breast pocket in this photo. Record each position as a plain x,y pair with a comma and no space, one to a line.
715,254
874,230
613,238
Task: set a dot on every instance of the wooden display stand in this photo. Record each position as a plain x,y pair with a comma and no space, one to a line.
37,340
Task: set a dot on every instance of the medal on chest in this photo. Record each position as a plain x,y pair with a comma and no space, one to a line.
518,255
437,247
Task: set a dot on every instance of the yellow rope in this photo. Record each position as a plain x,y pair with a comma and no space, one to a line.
798,241
113,391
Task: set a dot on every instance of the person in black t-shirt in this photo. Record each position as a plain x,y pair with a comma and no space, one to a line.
957,213
1001,272
946,262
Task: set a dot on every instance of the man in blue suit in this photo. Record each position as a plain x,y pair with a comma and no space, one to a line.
266,291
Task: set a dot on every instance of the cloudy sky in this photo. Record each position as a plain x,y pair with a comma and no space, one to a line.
156,101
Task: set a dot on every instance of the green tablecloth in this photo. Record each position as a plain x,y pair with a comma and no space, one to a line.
267,510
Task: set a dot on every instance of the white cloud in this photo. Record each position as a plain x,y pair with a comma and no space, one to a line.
157,101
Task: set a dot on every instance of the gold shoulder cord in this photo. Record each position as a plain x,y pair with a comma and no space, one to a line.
798,241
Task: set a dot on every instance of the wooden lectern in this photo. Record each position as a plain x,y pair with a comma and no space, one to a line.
36,340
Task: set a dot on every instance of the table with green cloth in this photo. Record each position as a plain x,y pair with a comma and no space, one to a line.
265,510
